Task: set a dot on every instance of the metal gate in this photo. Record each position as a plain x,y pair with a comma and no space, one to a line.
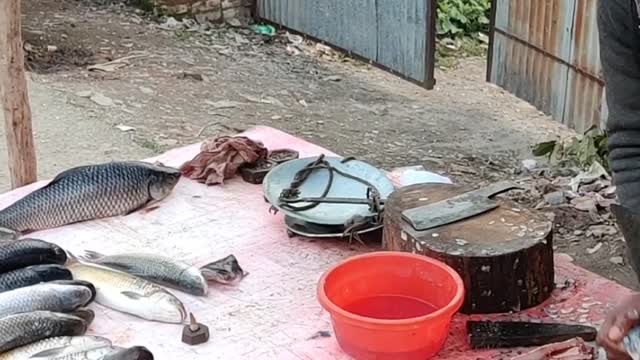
547,53
398,36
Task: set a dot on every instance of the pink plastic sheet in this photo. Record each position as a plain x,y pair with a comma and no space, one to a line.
273,312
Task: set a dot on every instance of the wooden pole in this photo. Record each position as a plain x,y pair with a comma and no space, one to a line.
15,99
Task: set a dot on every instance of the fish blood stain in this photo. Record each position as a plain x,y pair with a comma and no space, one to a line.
390,307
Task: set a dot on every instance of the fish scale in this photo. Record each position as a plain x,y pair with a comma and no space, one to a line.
26,328
90,192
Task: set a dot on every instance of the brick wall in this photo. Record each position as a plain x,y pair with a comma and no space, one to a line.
207,10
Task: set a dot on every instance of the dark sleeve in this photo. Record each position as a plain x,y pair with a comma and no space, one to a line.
618,27
619,31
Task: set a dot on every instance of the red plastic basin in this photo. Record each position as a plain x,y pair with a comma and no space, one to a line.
391,305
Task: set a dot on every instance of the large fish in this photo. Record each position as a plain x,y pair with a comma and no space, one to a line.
32,275
25,252
90,192
130,294
55,347
26,328
157,268
224,271
45,296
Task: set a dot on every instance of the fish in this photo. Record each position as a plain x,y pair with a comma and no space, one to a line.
86,284
44,296
85,314
130,294
55,346
99,353
159,269
26,252
132,353
26,328
91,192
32,275
224,271
632,343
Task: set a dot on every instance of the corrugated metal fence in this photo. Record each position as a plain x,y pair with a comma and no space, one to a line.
546,52
397,35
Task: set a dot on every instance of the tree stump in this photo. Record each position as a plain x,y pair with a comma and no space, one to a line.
504,256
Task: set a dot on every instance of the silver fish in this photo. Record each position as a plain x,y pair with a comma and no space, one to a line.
55,346
129,294
91,192
44,296
91,354
26,328
160,269
632,343
224,271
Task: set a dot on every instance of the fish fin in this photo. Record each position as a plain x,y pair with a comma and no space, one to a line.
91,255
132,295
71,257
67,173
145,208
49,353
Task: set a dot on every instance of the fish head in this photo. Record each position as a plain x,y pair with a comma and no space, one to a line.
224,271
85,314
57,256
194,282
51,272
74,325
168,306
163,181
76,296
132,353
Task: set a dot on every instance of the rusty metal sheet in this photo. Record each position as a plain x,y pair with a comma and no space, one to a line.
397,36
546,52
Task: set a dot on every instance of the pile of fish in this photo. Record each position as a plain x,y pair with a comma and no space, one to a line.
43,310
44,290
133,283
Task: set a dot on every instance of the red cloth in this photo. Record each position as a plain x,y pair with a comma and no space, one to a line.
220,158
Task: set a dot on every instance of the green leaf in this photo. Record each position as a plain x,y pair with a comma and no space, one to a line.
544,148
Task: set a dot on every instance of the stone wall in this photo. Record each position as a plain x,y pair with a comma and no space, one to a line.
207,10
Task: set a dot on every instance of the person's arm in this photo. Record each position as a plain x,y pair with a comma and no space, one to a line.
619,32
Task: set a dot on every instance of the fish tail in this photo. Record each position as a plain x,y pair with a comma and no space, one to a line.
71,258
90,255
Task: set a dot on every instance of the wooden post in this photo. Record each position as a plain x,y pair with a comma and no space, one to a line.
15,99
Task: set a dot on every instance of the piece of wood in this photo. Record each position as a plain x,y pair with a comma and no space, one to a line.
15,99
504,256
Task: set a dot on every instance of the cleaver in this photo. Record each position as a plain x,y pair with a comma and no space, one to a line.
456,208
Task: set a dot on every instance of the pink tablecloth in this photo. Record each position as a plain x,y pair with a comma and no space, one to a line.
272,313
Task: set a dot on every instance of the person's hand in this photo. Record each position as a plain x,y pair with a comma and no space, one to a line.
617,325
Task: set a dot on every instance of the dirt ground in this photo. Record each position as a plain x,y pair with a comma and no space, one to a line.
181,86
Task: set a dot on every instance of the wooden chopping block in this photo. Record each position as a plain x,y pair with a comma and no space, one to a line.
504,255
